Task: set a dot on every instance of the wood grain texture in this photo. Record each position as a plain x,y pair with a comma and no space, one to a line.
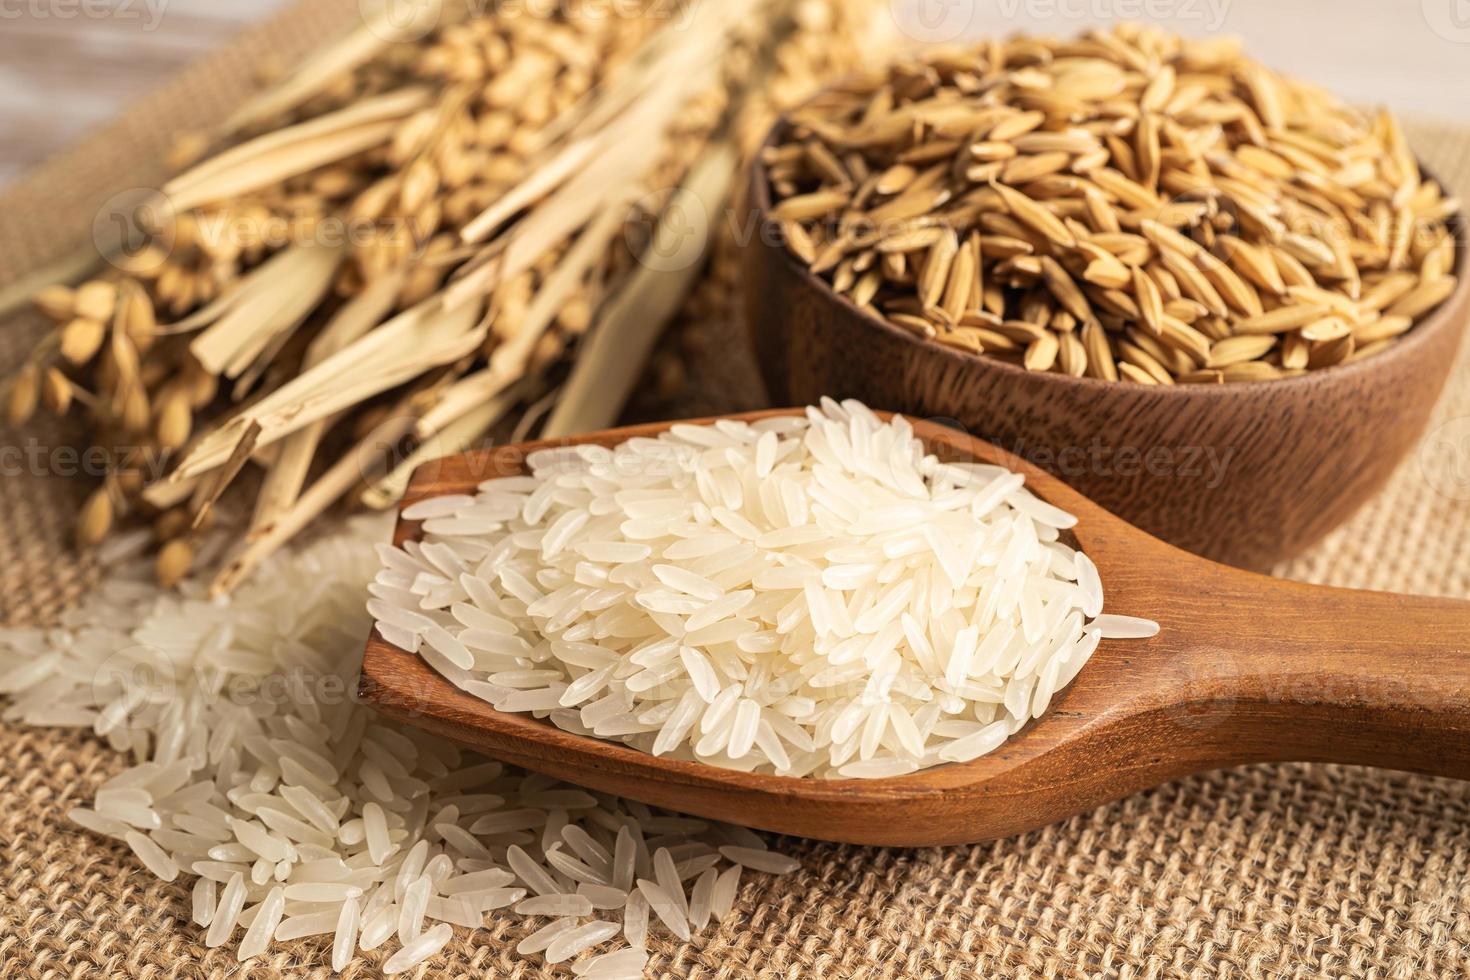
1249,474
69,65
1246,668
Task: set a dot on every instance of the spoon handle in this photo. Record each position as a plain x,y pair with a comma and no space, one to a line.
1308,673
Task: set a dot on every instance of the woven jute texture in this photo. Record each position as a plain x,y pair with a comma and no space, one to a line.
1287,870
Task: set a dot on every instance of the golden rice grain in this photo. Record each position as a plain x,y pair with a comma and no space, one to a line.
1073,355
1147,207
1325,329
1331,352
1042,352
95,300
1381,329
936,268
1135,355
1368,350
25,393
1182,337
965,340
95,519
174,561
56,391
1296,351
814,205
175,419
1035,216
1100,363
56,302
1282,319
1250,371
1131,372
1423,298
1236,350
1150,303
81,339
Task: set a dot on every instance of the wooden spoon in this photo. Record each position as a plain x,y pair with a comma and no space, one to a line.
1246,668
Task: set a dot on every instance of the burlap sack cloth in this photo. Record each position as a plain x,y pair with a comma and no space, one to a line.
1286,870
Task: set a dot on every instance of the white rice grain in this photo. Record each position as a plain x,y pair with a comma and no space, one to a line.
635,918
664,906
203,898
308,924
574,941
760,860
423,947
227,913
153,857
701,898
325,818
411,910
625,963
935,589
571,906
263,925
1111,627
537,941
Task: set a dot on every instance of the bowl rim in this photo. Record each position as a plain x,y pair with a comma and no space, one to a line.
1439,319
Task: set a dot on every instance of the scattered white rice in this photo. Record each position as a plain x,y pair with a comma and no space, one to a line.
808,596
303,814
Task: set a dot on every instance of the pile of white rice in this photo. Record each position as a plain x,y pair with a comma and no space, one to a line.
813,596
303,814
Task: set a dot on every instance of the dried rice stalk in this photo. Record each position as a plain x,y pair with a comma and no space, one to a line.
406,237
603,376
1160,209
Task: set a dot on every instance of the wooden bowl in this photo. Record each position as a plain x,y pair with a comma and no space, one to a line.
1248,474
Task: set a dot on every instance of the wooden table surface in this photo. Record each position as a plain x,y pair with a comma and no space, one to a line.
67,65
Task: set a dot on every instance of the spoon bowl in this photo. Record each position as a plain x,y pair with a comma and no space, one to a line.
1245,668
